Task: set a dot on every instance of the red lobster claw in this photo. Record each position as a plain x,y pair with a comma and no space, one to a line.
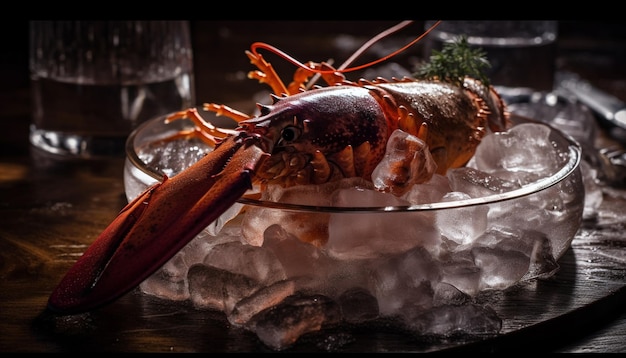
156,225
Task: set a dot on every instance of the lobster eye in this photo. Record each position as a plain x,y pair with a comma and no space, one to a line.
290,133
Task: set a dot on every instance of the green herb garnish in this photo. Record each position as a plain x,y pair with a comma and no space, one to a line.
455,61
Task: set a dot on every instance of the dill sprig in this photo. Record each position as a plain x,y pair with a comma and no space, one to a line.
455,61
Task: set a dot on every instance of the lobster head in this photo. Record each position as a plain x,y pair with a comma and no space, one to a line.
319,136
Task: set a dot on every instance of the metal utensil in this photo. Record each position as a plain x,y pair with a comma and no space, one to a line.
610,110
612,163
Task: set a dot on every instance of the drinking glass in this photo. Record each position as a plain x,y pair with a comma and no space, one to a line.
93,82
521,53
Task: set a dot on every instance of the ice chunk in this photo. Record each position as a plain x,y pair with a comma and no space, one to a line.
260,300
404,283
251,261
431,191
358,305
375,235
306,226
452,319
446,294
280,326
173,156
366,235
500,268
555,211
570,117
461,273
214,288
543,264
228,215
461,225
170,281
297,258
524,153
505,256
407,161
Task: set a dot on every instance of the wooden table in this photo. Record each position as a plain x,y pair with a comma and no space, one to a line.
51,210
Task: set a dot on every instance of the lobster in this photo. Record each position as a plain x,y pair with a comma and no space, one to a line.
306,136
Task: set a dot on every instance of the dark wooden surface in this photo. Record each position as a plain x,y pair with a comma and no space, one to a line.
50,211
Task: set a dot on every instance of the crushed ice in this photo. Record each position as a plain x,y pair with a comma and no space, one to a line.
283,274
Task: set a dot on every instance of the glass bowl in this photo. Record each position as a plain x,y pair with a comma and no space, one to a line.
479,228
142,170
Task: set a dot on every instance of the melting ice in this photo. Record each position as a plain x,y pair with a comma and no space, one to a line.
283,274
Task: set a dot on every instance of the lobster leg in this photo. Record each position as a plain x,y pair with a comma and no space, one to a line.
156,225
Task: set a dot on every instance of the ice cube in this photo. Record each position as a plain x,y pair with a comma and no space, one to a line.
358,305
524,153
251,261
428,192
500,268
264,298
173,156
446,294
297,258
404,283
461,225
449,320
170,281
214,288
503,256
306,226
569,116
462,273
407,161
366,235
280,326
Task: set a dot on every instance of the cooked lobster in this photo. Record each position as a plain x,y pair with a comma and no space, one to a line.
307,136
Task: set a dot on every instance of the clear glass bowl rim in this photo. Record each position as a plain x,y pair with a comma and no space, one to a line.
574,157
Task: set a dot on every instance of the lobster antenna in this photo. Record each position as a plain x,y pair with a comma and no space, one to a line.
361,49
372,41
342,68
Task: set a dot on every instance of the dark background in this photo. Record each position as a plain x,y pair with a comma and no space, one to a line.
29,224
221,45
